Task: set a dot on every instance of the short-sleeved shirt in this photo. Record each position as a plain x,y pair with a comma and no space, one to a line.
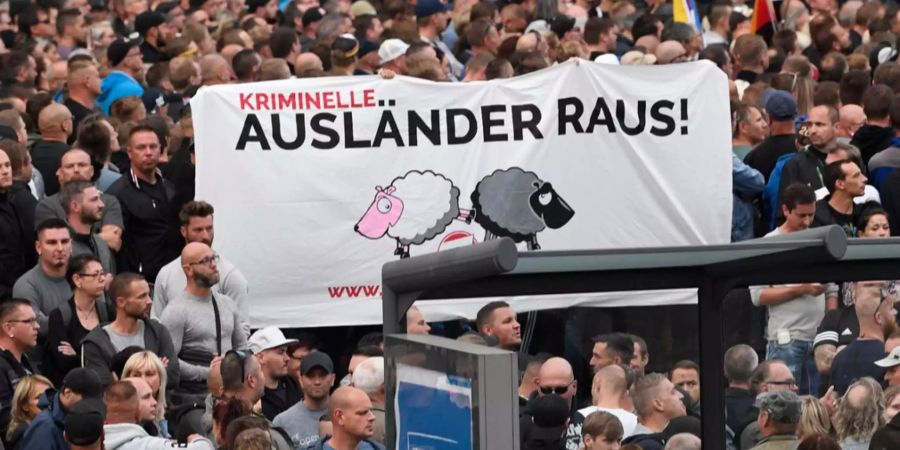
839,327
301,424
855,361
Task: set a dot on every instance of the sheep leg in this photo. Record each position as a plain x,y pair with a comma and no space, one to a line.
489,236
404,252
399,249
533,243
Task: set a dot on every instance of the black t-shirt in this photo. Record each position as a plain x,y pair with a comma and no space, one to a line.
79,112
274,401
765,155
855,361
826,215
839,327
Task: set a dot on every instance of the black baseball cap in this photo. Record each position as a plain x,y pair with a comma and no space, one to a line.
312,15
118,50
316,359
147,20
83,381
84,422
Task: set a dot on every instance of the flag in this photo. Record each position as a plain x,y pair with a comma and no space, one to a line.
685,11
764,19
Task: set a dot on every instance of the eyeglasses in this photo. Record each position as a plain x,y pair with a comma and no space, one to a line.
558,390
32,321
207,260
92,275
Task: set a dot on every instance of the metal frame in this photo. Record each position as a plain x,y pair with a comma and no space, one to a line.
497,268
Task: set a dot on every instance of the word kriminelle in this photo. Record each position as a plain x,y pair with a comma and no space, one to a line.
269,101
458,126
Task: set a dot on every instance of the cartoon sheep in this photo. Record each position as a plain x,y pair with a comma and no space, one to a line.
414,208
518,204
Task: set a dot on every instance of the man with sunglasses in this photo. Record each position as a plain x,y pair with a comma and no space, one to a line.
18,333
874,303
554,378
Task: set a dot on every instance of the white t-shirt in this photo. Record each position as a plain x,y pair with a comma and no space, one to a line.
629,420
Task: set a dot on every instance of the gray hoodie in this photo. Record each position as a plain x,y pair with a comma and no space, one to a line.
129,436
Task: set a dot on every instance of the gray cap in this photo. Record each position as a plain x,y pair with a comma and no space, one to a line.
781,406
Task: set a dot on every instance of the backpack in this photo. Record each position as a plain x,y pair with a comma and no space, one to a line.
771,193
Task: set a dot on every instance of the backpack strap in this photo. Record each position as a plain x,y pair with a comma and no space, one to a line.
218,325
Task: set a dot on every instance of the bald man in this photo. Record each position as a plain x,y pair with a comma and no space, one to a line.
415,322
852,118
670,52
555,378
214,69
306,62
683,441
609,392
230,50
352,420
146,400
192,320
55,126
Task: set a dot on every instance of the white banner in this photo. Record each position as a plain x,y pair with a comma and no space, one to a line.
318,182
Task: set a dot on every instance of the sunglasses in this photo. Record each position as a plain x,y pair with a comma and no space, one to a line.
558,390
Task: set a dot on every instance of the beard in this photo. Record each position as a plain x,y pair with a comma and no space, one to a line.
206,281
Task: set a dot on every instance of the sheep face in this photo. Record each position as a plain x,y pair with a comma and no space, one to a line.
549,206
383,213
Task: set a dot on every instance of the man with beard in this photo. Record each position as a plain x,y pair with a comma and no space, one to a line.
845,182
45,285
84,208
281,392
301,421
83,85
75,165
152,27
196,219
132,327
71,32
202,324
874,303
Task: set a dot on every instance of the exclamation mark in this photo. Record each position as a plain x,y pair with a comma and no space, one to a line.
684,117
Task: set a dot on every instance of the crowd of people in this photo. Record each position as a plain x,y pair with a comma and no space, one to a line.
122,328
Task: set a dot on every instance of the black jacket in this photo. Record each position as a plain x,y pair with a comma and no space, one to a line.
11,371
807,167
151,239
97,351
273,405
888,437
871,139
13,245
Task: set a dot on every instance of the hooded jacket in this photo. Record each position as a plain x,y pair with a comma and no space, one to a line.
97,351
46,431
320,444
129,436
871,139
117,85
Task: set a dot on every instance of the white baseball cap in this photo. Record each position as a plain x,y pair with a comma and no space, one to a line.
266,338
390,50
891,360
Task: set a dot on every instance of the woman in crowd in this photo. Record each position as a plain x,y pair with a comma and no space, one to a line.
814,419
224,413
72,321
873,223
859,414
25,407
818,442
147,365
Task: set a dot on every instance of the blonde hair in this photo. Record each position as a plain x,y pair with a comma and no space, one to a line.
814,419
142,359
20,414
